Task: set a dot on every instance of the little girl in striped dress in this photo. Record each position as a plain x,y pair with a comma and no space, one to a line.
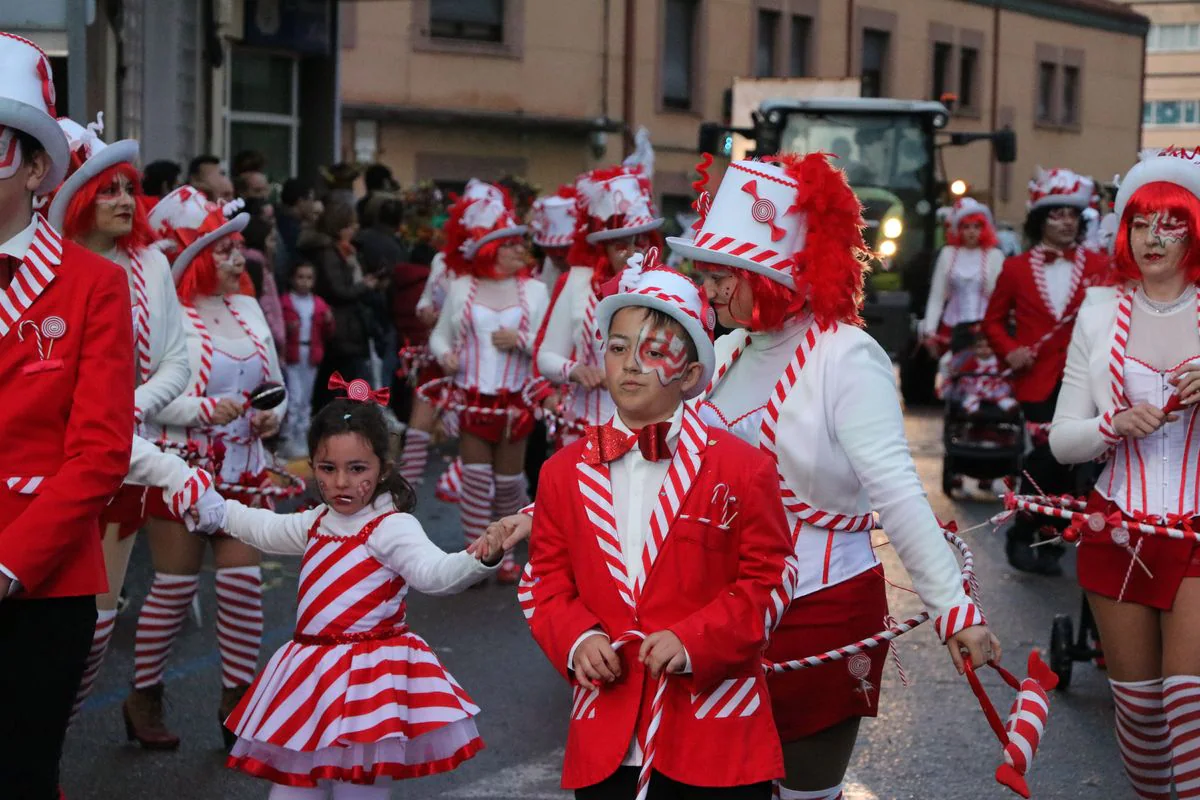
355,701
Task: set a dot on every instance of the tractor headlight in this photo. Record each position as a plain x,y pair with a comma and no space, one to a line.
887,248
892,227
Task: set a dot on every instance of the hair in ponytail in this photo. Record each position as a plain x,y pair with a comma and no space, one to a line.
368,421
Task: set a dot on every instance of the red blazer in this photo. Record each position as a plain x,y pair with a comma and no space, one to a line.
66,414
322,328
709,584
1018,298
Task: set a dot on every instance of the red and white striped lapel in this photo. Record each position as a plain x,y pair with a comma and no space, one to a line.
595,487
32,277
1116,353
685,466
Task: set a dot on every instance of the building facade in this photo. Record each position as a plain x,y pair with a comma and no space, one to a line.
446,89
1171,109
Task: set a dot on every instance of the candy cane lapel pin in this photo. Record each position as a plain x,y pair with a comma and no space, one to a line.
1022,733
728,505
45,335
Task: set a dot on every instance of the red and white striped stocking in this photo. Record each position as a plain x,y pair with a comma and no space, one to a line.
106,619
415,456
510,499
449,485
1142,737
821,794
475,505
1181,702
158,624
239,623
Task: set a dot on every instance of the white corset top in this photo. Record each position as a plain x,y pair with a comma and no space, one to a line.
966,293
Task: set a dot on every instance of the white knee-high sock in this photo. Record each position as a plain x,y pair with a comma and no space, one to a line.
239,623
475,503
1142,736
1181,702
355,791
105,622
414,456
821,794
158,624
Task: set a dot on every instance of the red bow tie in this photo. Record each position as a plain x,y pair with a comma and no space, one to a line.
1051,255
609,444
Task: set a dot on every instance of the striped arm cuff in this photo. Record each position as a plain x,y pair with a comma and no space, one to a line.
137,416
527,510
1106,427
962,616
567,368
193,487
207,406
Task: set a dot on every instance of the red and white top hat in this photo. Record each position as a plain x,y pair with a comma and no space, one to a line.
481,216
553,220
1060,187
188,223
646,282
27,104
89,157
968,207
753,223
1176,165
480,190
615,202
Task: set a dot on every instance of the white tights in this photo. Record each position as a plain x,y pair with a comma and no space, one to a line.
340,791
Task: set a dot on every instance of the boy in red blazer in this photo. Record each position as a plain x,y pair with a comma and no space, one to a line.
66,354
655,547
1039,293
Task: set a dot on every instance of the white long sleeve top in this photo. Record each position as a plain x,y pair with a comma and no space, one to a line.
570,339
842,450
468,321
436,285
399,542
963,279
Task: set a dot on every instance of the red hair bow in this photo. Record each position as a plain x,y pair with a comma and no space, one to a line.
359,390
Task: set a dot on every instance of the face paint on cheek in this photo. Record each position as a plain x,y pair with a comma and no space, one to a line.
662,352
364,490
10,152
1167,229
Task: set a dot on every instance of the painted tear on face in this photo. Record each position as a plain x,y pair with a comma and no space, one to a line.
10,152
1166,229
661,351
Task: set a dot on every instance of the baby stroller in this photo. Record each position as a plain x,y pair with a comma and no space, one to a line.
983,441
1066,647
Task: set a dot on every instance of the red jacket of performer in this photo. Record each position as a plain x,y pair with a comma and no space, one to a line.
1038,293
66,354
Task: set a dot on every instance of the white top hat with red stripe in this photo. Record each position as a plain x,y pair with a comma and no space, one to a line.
481,190
27,104
751,223
1060,187
1176,165
186,219
647,283
617,202
969,207
89,157
553,220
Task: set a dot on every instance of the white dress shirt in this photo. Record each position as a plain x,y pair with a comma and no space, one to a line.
1058,283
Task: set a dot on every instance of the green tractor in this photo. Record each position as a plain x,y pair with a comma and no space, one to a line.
889,150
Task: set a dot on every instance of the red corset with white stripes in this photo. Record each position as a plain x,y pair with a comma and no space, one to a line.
345,594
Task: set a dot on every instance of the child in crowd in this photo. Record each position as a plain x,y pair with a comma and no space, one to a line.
355,701
309,322
973,376
657,543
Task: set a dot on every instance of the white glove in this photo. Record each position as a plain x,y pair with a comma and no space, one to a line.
208,515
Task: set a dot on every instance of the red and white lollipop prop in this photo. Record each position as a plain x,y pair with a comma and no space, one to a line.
1026,724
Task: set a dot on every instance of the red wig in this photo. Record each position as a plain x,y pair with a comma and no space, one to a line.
483,265
773,303
200,277
1151,198
987,234
81,211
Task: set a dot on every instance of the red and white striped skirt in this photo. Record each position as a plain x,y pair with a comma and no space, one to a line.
362,713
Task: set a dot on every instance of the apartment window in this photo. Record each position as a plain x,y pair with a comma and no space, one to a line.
1047,72
801,51
968,73
942,53
1177,37
768,40
874,61
1171,113
263,111
1070,96
467,20
678,54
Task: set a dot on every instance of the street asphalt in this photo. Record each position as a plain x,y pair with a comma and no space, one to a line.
929,741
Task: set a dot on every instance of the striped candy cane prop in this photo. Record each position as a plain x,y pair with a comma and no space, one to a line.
1022,733
1072,509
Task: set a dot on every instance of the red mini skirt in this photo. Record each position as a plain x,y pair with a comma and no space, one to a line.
491,425
1109,570
128,509
810,700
